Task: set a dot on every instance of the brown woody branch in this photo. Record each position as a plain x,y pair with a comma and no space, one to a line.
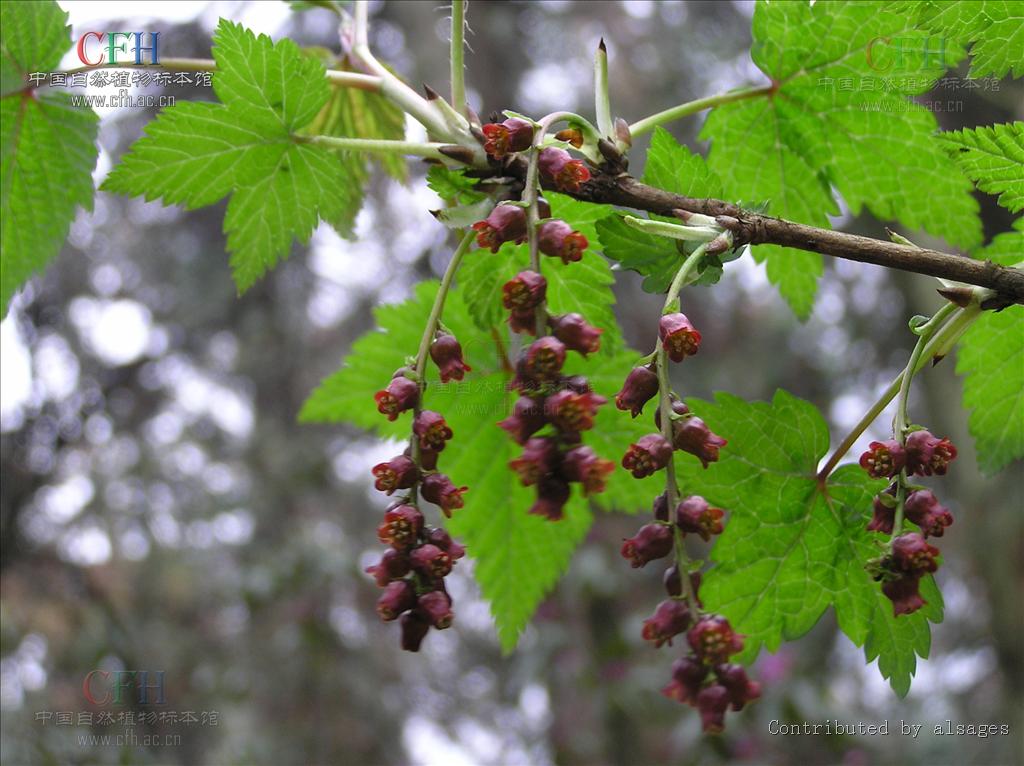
755,229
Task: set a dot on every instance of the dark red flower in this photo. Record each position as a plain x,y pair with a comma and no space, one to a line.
544,359
506,223
572,412
414,628
674,585
526,419
512,135
436,607
904,594
444,541
741,689
670,619
581,464
712,702
398,597
576,334
883,460
922,508
393,565
678,336
652,541
695,515
401,527
398,473
432,430
446,352
927,454
540,457
552,495
641,384
687,678
714,640
883,514
558,166
400,395
438,489
692,435
650,453
660,507
431,561
523,323
911,553
524,292
559,240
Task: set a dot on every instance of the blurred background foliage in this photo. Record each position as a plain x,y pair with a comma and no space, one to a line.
162,510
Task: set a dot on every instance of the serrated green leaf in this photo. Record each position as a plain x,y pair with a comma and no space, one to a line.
583,286
47,146
993,28
452,185
992,157
792,548
991,359
674,168
195,154
812,133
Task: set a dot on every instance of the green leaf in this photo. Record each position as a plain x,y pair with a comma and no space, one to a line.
792,547
830,123
992,157
519,556
583,286
452,185
991,359
196,153
47,146
672,167
993,28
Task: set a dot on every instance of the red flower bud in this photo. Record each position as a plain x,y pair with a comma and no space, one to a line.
540,457
559,240
660,507
544,359
576,334
670,619
922,508
712,702
414,629
678,407
883,515
641,384
393,565
692,435
678,336
398,597
883,460
436,607
398,473
674,584
552,495
558,166
695,515
526,419
572,412
512,135
400,395
741,689
904,594
438,489
650,453
506,223
912,554
431,561
431,429
652,541
444,541
524,292
581,464
714,640
401,527
523,323
446,352
927,455
687,678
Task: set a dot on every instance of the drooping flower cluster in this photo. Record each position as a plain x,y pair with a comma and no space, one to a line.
413,568
556,166
910,557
